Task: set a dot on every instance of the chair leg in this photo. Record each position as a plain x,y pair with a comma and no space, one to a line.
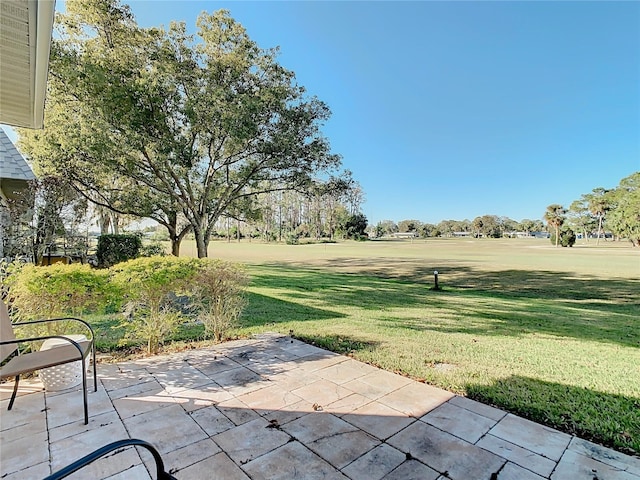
84,391
95,374
15,391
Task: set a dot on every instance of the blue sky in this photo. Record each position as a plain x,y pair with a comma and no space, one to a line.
450,110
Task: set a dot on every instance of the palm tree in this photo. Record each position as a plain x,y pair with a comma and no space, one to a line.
554,217
598,206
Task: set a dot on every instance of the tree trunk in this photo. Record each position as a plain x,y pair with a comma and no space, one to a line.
202,241
557,234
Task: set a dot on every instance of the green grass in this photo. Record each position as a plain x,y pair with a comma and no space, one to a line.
549,334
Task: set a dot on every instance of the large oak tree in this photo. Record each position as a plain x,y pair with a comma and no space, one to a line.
168,125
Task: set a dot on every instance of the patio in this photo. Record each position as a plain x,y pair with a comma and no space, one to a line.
276,408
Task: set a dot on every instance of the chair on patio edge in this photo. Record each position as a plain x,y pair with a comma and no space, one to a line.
14,363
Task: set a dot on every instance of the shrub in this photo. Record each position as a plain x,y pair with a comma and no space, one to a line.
567,237
292,239
113,249
218,296
153,249
149,285
56,291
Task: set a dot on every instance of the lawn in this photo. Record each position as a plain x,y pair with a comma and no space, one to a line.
549,334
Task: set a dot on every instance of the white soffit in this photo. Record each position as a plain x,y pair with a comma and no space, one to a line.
25,40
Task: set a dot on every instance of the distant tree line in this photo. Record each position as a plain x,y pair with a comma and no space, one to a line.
602,213
493,226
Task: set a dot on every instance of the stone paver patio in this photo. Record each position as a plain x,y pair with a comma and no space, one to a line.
276,408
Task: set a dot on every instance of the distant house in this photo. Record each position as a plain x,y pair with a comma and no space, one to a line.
15,175
462,234
405,235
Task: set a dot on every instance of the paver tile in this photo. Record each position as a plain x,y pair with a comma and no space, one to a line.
340,373
412,470
375,464
137,404
317,425
346,404
269,398
542,440
28,386
236,411
135,388
181,378
322,392
415,399
386,381
119,380
477,407
218,467
70,449
288,413
291,461
341,449
40,470
213,365
182,457
511,471
240,380
379,420
136,472
518,455
321,359
212,420
13,453
605,455
445,453
26,418
75,428
250,440
167,428
194,398
459,421
573,465
68,407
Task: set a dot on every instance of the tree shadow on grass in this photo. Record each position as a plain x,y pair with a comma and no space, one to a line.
509,302
263,309
604,418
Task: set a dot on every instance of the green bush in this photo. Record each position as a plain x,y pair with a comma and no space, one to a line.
153,249
150,285
567,237
292,239
113,249
57,291
218,296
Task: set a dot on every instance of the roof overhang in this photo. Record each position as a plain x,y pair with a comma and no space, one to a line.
25,40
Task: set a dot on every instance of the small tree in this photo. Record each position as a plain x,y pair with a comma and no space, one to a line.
218,296
567,237
554,216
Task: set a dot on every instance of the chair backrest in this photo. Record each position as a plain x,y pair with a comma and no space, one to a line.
6,333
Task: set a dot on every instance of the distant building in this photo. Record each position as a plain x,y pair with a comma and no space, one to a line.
405,235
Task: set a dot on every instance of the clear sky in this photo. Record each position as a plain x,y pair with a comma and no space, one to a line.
450,110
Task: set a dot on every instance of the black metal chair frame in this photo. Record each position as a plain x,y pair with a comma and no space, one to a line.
81,357
161,474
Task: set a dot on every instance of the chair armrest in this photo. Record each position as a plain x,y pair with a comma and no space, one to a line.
62,319
46,337
101,452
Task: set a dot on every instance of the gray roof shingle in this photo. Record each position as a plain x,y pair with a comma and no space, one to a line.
12,163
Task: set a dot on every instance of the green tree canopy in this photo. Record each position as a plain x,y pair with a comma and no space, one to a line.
164,124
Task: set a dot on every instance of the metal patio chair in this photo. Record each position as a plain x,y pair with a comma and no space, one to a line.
14,363
101,452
